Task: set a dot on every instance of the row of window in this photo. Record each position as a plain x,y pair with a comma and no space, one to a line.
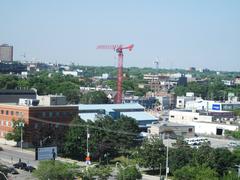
2,133
6,112
6,123
172,116
56,114
36,125
43,114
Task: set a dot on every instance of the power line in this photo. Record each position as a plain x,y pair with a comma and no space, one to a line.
82,125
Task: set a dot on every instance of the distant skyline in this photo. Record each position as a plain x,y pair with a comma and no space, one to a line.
181,34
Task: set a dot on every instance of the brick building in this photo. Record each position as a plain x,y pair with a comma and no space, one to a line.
36,120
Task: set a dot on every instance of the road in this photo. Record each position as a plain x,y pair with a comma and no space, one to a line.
12,155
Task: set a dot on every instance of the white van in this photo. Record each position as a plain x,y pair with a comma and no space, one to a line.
196,140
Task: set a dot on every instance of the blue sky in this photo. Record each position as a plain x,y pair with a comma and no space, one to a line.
181,33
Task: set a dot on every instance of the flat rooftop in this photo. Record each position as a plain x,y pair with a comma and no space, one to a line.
110,107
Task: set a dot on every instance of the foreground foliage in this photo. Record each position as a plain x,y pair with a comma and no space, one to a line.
55,170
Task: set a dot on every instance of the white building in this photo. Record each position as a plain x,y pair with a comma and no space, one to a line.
212,106
203,123
182,100
173,129
50,100
73,73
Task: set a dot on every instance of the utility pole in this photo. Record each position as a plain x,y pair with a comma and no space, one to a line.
167,170
87,142
238,166
21,125
88,161
160,171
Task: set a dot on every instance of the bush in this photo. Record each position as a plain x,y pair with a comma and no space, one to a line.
129,173
102,173
55,170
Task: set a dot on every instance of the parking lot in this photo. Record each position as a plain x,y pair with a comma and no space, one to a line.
214,142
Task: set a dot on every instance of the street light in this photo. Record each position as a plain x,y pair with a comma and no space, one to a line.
21,125
43,141
167,168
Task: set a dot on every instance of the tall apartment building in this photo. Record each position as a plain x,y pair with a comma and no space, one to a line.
6,53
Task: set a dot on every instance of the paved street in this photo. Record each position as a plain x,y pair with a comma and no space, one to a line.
219,143
12,155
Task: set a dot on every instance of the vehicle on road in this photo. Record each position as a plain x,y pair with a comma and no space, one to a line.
196,141
20,165
29,168
10,170
233,144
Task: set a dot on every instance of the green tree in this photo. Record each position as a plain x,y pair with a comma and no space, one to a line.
55,170
231,175
180,157
72,96
128,173
129,131
152,153
16,133
102,138
195,173
223,160
75,140
204,155
102,172
95,97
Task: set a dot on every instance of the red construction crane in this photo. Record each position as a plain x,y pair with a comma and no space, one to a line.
119,50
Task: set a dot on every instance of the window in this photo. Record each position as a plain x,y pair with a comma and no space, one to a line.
7,112
6,123
43,114
35,125
195,118
2,123
172,116
189,130
50,114
2,111
57,114
17,113
12,113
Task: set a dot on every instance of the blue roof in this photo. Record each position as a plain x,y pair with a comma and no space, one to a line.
110,107
88,116
140,116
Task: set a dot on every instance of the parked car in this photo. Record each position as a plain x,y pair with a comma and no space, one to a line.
1,149
233,144
29,168
12,170
20,165
7,169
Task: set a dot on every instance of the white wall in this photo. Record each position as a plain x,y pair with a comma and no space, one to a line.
211,128
183,116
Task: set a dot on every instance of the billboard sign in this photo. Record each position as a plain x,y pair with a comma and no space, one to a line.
46,153
216,107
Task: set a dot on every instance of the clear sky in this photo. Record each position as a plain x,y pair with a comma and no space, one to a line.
181,33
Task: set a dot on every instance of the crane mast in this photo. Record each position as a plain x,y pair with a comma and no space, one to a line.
119,50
